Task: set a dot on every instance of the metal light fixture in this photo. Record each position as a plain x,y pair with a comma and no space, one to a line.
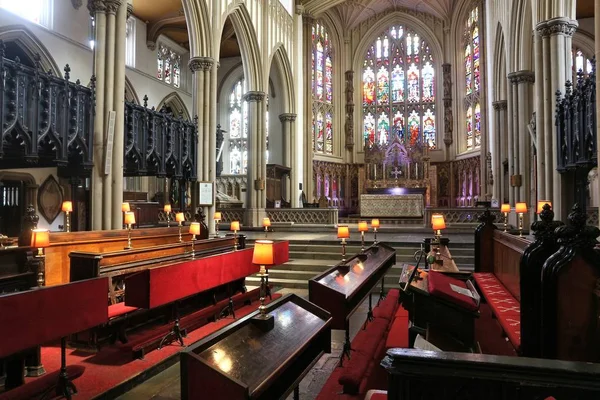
343,233
194,230
129,220
362,228
40,239
235,227
217,218
263,256
521,208
505,209
266,223
67,207
375,226
179,217
437,224
167,210
125,208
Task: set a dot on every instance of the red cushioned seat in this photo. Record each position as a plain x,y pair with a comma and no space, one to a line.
511,325
401,312
394,293
367,340
114,310
39,386
353,372
386,308
398,334
439,285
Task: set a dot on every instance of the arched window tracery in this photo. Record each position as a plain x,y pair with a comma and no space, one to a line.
322,90
472,80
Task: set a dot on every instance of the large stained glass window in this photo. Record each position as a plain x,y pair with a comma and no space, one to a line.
238,129
169,66
472,85
322,90
399,89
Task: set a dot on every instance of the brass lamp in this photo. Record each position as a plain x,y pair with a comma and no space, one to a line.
263,256
67,207
235,227
437,224
266,224
179,217
40,239
125,208
362,228
540,205
217,218
167,210
343,233
194,230
521,208
505,209
129,220
375,226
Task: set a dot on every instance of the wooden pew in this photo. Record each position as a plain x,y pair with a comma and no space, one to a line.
18,269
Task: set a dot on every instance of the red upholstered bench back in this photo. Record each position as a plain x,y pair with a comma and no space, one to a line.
41,315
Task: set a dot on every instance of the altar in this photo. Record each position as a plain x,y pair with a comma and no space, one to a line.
391,205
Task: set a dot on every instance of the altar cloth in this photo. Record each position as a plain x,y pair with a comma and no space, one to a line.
391,205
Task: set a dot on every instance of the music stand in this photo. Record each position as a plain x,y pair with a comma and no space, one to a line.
412,273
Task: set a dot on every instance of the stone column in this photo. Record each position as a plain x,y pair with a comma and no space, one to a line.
287,122
499,154
540,137
98,8
524,80
512,105
556,33
309,184
256,177
123,13
212,142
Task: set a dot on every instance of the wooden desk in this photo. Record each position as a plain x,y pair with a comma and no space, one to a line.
241,361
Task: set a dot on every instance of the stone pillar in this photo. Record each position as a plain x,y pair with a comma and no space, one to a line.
499,154
512,105
309,184
556,33
98,9
212,142
256,197
123,13
289,156
524,80
540,137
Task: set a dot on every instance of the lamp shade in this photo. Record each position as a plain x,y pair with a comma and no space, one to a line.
438,222
375,223
521,208
167,208
195,228
505,208
217,215
266,222
235,226
129,218
540,205
67,206
343,232
40,238
125,207
362,226
179,217
263,252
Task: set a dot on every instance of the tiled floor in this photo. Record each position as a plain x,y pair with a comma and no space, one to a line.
166,385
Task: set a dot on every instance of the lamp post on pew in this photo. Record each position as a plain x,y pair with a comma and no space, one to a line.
194,230
235,227
179,217
125,208
375,226
362,228
217,218
438,223
266,224
343,233
263,256
521,208
40,239
67,207
540,207
129,220
505,209
167,210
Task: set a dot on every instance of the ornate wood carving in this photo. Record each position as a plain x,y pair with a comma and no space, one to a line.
46,121
158,144
349,126
466,192
50,199
448,118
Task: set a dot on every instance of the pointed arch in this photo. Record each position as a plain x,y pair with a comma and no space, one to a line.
499,65
198,27
250,50
176,104
31,45
130,93
281,61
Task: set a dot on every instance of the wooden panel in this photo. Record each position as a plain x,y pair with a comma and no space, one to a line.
508,250
63,243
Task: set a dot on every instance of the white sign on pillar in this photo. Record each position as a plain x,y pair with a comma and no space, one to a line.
110,135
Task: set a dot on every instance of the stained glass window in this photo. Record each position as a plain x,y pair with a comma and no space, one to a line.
238,129
169,66
472,63
322,90
581,62
398,89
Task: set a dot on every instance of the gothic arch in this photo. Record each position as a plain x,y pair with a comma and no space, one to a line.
198,27
522,37
584,41
31,45
30,185
499,65
248,41
174,101
281,61
130,93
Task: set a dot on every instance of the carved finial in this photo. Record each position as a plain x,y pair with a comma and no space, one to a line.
2,49
93,83
577,233
17,60
547,215
38,61
78,82
545,227
577,217
487,217
67,72
145,101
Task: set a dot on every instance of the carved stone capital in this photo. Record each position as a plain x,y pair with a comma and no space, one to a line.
129,10
521,77
77,4
254,96
200,64
557,26
151,45
500,105
96,6
112,6
291,117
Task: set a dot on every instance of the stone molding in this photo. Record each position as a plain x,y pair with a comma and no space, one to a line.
77,4
96,6
523,76
112,6
129,10
254,96
556,26
291,117
500,105
200,64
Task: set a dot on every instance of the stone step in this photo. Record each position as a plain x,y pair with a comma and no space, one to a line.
324,264
356,248
337,256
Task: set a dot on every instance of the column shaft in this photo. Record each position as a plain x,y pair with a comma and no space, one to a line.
108,107
212,143
540,136
510,145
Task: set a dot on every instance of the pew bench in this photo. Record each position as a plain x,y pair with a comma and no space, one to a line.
361,372
505,307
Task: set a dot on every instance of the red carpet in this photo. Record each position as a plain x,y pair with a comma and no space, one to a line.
114,365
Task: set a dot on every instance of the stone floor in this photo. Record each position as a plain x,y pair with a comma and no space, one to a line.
166,385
